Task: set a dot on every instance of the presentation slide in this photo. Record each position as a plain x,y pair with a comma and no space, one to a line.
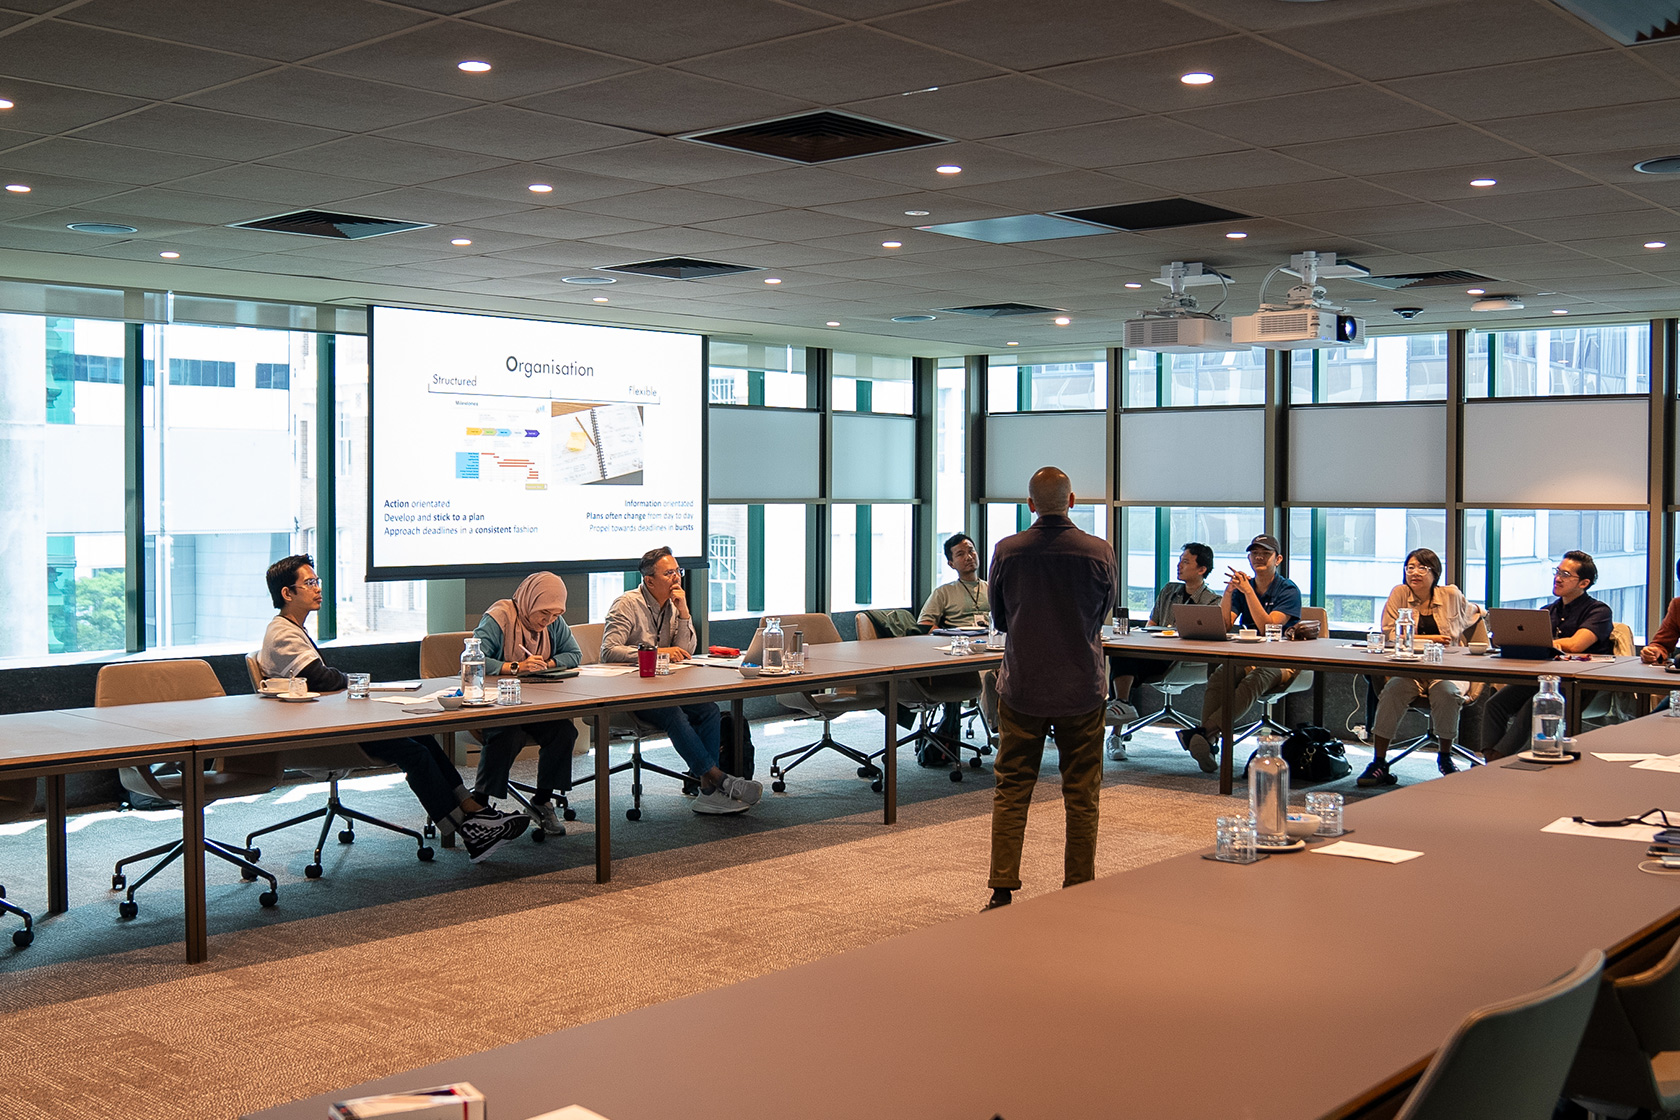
519,442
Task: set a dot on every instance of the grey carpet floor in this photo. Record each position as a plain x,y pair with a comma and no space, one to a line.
386,963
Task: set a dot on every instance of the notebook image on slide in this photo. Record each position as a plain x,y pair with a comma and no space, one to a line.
1522,634
597,443
1202,623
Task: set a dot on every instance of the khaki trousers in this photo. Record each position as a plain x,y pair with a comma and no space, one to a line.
1020,754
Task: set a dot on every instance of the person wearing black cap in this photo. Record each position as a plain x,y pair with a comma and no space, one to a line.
1268,598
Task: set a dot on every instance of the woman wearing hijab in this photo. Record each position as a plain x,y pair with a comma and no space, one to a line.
527,634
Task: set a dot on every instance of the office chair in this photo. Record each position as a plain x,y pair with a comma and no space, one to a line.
1601,708
17,798
825,704
927,697
440,656
1303,681
146,682
626,724
331,764
1401,748
1630,1054
1180,678
1509,1059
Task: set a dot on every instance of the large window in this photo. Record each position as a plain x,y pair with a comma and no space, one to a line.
751,373
1006,518
756,555
1561,362
1047,382
872,383
1409,367
1359,555
871,556
1511,555
1157,534
1236,377
950,449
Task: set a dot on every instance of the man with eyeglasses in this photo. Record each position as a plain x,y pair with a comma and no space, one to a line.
656,614
1580,624
289,651
960,604
1195,561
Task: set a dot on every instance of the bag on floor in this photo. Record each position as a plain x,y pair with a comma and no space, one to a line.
1314,755
726,736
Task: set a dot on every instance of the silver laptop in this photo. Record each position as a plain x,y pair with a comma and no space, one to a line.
1523,634
1204,623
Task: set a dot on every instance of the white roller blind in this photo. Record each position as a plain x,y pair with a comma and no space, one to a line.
1579,451
758,455
1361,455
1017,444
874,457
1195,456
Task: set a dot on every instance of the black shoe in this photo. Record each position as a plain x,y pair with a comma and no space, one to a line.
1375,774
1444,762
932,758
1000,897
1195,740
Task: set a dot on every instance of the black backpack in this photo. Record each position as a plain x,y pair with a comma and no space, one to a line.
726,730
1313,755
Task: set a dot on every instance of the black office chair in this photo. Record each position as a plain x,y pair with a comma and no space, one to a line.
927,697
626,724
17,797
825,704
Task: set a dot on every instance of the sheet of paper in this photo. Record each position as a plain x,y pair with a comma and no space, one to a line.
413,697
1669,764
1624,756
718,662
1639,833
570,1112
605,670
1376,852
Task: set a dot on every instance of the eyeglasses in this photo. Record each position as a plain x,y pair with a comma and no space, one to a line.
1420,568
312,581
1563,573
1623,822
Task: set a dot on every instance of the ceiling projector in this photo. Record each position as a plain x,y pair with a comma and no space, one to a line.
1177,327
1308,321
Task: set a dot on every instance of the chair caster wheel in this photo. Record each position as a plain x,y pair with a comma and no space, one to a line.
247,874
347,837
128,908
875,785
778,786
22,938
570,814
974,763
118,882
985,750
538,836
956,775
424,855
632,814
312,871
268,898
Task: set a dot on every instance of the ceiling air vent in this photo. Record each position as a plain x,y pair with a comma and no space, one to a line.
681,268
1001,310
1629,21
1163,213
819,137
1451,277
322,223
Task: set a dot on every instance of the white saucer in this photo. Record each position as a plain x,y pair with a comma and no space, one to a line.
297,698
1256,638
1530,756
489,702
1292,846
1405,657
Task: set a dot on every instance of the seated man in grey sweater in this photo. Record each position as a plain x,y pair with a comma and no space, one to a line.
289,651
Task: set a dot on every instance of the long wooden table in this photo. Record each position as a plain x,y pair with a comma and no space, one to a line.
1337,655
193,731
1301,986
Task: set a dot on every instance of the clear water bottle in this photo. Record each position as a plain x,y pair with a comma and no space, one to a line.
1405,629
1268,794
773,659
472,670
1546,731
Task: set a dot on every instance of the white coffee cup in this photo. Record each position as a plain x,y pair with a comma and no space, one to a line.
1245,633
276,685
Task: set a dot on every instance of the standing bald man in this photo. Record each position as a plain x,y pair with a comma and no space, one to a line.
1052,587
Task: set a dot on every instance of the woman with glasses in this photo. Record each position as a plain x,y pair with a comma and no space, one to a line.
1443,614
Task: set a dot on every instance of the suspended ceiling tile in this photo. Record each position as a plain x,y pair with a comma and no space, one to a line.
980,163
281,186
421,204
48,239
786,256
937,207
654,30
794,225
1373,222
148,251
673,206
324,100
672,241
181,206
487,267
48,192
1604,78
1026,36
989,107
1287,199
670,163
804,187
840,65
93,59
47,109
562,226
1450,239
289,31
1224,171
1066,190
1442,146
511,133
1616,166
512,183
1134,140
1641,224
665,103
1449,184
223,136
1576,201
1655,125
1244,69
383,160
84,159
1303,118
425,58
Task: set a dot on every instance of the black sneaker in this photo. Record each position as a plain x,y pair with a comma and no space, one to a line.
1375,774
487,830
1444,762
1000,897
1195,740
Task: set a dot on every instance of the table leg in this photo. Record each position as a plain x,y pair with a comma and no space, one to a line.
1227,731
1572,707
738,735
603,801
192,859
58,854
889,758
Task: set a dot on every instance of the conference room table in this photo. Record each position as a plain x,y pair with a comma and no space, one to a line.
1300,986
52,744
1338,655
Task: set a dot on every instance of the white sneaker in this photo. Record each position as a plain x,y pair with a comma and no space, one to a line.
1118,711
1116,747
742,789
544,819
717,803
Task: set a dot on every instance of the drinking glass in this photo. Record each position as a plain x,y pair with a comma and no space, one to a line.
1433,654
508,692
1374,640
359,683
1274,632
1234,839
662,664
1673,708
297,686
1328,808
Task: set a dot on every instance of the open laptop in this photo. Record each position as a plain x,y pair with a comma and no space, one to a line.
1204,623
1522,634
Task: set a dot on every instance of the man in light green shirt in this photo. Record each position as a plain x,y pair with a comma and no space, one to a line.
962,604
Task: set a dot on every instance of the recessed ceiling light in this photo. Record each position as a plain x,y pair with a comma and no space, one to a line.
1196,78
461,242
1484,182
892,244
1133,284
1236,235
17,188
915,213
600,299
1559,311
1062,320
588,280
1648,244
1012,344
1662,165
169,255
834,322
1475,291
4,104
948,169
101,227
539,188
772,280
473,66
